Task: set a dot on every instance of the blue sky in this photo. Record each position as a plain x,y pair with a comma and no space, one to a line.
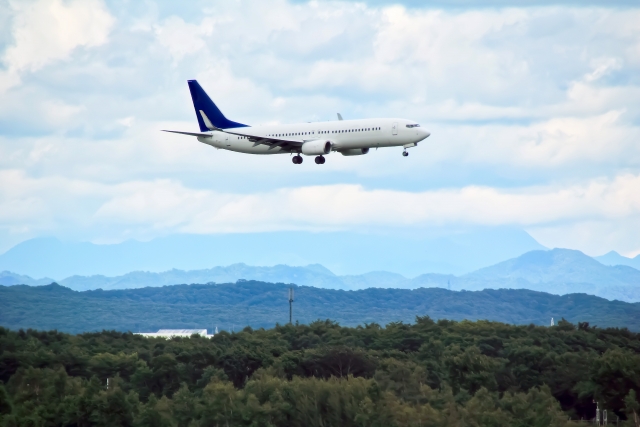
534,112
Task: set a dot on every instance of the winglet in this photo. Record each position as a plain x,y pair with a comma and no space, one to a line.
339,116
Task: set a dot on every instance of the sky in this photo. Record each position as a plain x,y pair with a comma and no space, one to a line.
533,109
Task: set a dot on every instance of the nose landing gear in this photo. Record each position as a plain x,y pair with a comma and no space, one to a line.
405,153
320,160
297,159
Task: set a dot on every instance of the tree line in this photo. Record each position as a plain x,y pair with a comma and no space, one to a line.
427,373
261,304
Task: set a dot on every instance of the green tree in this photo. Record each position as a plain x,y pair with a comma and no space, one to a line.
149,416
183,406
6,407
632,407
612,376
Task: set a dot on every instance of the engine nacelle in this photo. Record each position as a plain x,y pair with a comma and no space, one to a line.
355,151
316,148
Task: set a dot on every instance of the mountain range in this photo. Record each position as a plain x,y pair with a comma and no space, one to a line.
614,258
232,306
345,253
558,271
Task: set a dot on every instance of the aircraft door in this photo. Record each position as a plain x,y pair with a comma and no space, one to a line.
226,140
394,128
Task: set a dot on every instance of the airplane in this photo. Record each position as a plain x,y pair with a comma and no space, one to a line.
347,137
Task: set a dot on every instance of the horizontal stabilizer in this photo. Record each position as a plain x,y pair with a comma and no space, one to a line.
204,135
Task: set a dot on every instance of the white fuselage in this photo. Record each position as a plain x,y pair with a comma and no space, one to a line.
343,135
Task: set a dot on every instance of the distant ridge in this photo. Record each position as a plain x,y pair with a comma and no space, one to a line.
8,278
345,253
311,275
559,271
614,258
261,304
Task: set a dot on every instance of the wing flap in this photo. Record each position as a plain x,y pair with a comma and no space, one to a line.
257,140
285,144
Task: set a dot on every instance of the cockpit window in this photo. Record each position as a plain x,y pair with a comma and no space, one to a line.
413,126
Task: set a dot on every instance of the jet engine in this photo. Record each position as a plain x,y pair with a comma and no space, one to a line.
316,148
355,151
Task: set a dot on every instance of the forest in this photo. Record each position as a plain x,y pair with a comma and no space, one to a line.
424,373
262,305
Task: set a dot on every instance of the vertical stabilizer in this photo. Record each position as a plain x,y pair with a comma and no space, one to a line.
208,114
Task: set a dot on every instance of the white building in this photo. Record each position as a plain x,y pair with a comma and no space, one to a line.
170,333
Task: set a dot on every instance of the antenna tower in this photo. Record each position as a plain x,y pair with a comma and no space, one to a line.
290,305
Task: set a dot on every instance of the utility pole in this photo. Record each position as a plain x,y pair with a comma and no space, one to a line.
290,305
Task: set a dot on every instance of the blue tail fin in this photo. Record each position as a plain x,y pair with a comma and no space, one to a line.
202,102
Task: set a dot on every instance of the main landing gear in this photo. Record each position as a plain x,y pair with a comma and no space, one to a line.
298,159
405,153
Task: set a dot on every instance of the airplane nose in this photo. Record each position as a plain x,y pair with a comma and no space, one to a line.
424,134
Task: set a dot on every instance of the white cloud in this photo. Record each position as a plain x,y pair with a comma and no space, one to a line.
158,207
181,39
602,67
603,141
48,30
533,113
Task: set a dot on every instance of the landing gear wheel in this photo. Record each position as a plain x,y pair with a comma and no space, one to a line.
296,160
405,153
320,160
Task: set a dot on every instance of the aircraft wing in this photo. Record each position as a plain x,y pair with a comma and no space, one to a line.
285,144
270,141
